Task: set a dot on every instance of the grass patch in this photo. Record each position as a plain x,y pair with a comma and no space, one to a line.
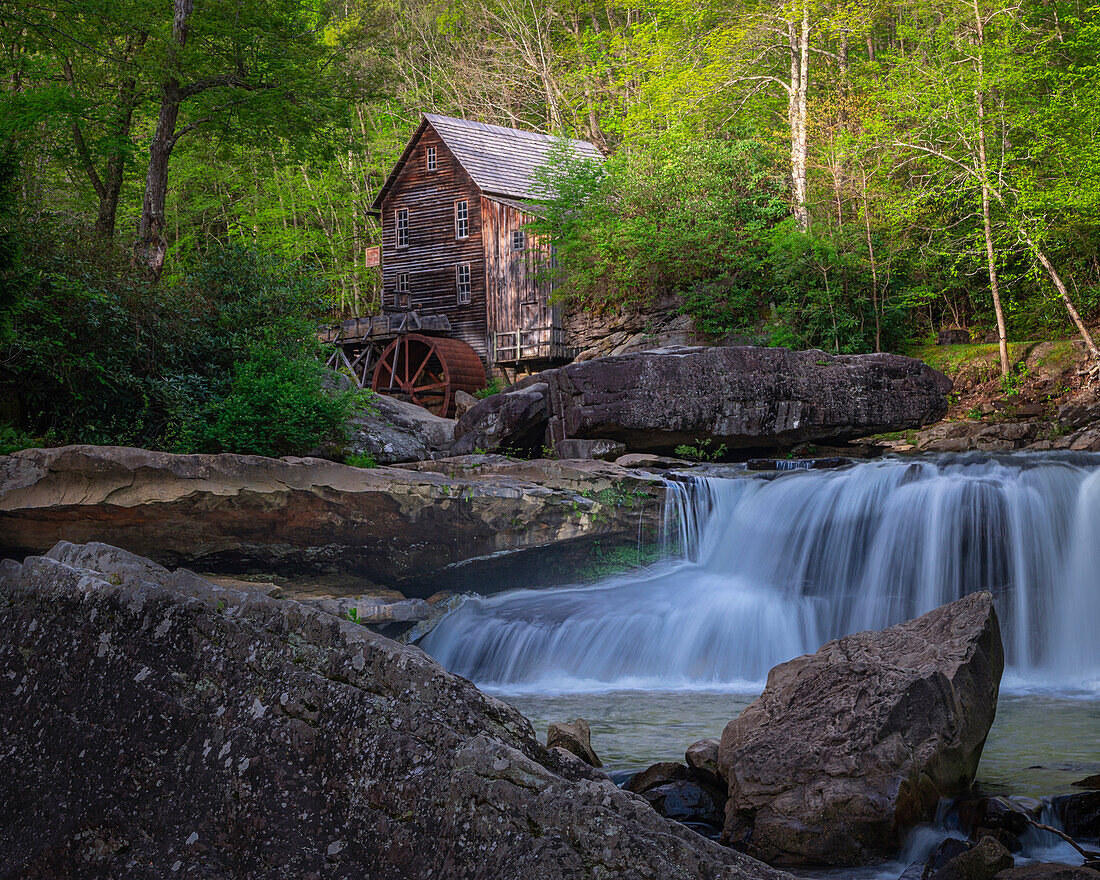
606,562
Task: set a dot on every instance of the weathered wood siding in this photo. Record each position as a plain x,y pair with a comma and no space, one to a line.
518,289
433,252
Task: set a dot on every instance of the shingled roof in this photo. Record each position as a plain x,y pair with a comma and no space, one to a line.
500,161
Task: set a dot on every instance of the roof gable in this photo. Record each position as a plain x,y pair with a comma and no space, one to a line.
500,161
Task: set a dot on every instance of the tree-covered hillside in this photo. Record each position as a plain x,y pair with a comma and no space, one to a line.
851,176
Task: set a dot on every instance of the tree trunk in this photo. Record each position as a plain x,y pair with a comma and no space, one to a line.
797,112
874,263
150,247
983,174
1062,292
116,162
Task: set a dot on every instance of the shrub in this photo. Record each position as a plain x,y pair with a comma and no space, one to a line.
361,460
274,406
495,386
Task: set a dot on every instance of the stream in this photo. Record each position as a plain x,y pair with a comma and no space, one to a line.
774,565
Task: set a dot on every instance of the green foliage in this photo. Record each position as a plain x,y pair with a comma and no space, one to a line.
495,386
274,406
607,562
661,219
94,353
12,439
701,451
1014,380
361,460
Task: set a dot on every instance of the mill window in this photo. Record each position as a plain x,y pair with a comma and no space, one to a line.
401,299
429,158
462,219
402,216
519,239
462,281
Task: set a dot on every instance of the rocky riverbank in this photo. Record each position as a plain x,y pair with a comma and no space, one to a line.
440,525
158,725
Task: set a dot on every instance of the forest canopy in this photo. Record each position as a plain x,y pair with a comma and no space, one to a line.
851,176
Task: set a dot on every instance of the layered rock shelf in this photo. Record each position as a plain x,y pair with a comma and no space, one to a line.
451,524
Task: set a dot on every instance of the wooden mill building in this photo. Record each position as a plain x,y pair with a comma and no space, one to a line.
454,213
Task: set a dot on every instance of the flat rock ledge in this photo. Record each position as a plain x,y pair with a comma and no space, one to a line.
848,748
454,524
156,725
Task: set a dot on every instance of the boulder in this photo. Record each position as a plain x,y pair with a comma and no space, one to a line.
657,774
392,430
740,397
456,527
608,450
702,758
513,421
915,871
848,748
948,848
690,802
954,336
1079,813
575,738
157,725
463,401
992,813
983,861
1080,411
1092,782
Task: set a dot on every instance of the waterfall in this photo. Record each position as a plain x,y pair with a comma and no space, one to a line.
774,566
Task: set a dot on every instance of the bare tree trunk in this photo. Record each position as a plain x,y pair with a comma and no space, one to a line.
150,247
983,174
1061,287
797,112
874,263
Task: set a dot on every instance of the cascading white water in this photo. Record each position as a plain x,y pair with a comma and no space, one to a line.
775,567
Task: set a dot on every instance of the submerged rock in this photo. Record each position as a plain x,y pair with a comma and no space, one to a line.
158,725
690,802
575,738
983,861
848,748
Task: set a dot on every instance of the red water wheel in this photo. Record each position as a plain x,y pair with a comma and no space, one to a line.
428,370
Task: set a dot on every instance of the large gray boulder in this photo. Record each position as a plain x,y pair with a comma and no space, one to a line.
742,397
158,726
392,431
848,748
477,525
514,422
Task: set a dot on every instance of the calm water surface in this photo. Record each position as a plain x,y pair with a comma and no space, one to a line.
1039,744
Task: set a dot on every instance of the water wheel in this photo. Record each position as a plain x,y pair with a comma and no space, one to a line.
428,370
